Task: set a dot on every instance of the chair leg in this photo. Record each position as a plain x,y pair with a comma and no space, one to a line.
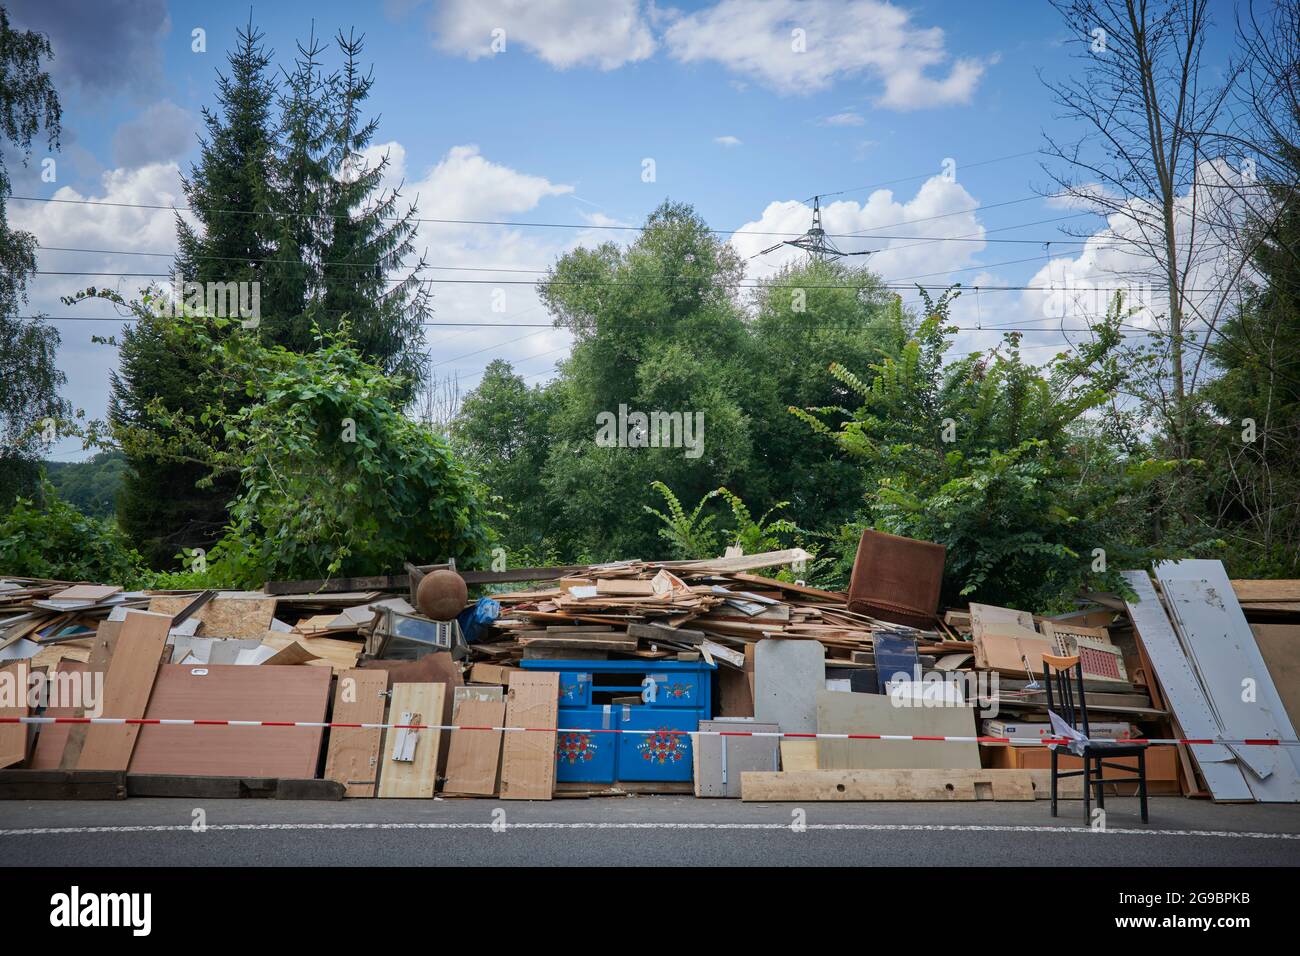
1087,791
1053,781
1142,783
1101,785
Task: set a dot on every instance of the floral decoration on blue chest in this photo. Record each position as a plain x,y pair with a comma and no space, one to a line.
656,705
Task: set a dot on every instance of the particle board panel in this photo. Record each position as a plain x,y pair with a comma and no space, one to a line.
101,653
788,674
13,737
352,755
53,738
1182,690
474,755
916,784
234,692
224,615
1279,645
128,681
1220,642
528,758
839,713
417,777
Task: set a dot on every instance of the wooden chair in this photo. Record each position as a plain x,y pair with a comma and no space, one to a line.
1070,705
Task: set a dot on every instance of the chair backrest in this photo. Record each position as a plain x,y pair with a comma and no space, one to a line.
1068,702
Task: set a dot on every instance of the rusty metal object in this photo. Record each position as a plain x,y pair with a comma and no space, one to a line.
441,595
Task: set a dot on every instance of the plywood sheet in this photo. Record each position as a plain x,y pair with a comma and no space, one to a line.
788,674
352,756
141,645
475,754
417,777
1183,690
232,692
847,713
798,755
13,737
53,738
101,652
329,652
1279,644
224,615
528,759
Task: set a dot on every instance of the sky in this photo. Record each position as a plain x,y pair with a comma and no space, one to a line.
920,125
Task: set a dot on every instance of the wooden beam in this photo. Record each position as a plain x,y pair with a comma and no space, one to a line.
860,785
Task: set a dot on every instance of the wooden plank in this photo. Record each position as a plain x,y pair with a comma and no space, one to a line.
62,785
528,758
13,737
491,674
857,785
128,683
417,777
101,653
1254,592
234,692
475,754
53,738
352,756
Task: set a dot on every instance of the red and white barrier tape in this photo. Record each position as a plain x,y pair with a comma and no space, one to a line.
321,725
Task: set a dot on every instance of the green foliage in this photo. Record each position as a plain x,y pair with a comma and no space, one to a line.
333,477
285,201
659,328
50,538
688,535
90,486
998,460
503,429
753,536
31,380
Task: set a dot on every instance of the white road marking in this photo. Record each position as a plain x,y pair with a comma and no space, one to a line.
525,825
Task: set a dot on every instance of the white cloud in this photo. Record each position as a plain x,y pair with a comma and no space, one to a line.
799,47
71,224
881,213
726,141
564,33
847,118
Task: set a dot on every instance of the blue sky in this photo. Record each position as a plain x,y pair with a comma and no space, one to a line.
556,127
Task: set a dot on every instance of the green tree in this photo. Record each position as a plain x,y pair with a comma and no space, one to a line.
657,329
504,429
352,235
1002,462
28,104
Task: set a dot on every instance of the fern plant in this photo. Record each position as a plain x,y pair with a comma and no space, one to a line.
753,536
689,535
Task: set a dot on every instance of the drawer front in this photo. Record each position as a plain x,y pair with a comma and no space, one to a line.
672,689
658,755
580,754
575,689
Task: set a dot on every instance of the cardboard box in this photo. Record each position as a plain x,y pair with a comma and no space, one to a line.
1162,766
1098,730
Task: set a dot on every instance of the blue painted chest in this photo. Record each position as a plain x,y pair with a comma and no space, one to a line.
662,700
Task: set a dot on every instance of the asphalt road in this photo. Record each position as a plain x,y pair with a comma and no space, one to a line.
641,831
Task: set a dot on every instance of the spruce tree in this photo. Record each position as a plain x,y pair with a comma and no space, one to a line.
161,506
